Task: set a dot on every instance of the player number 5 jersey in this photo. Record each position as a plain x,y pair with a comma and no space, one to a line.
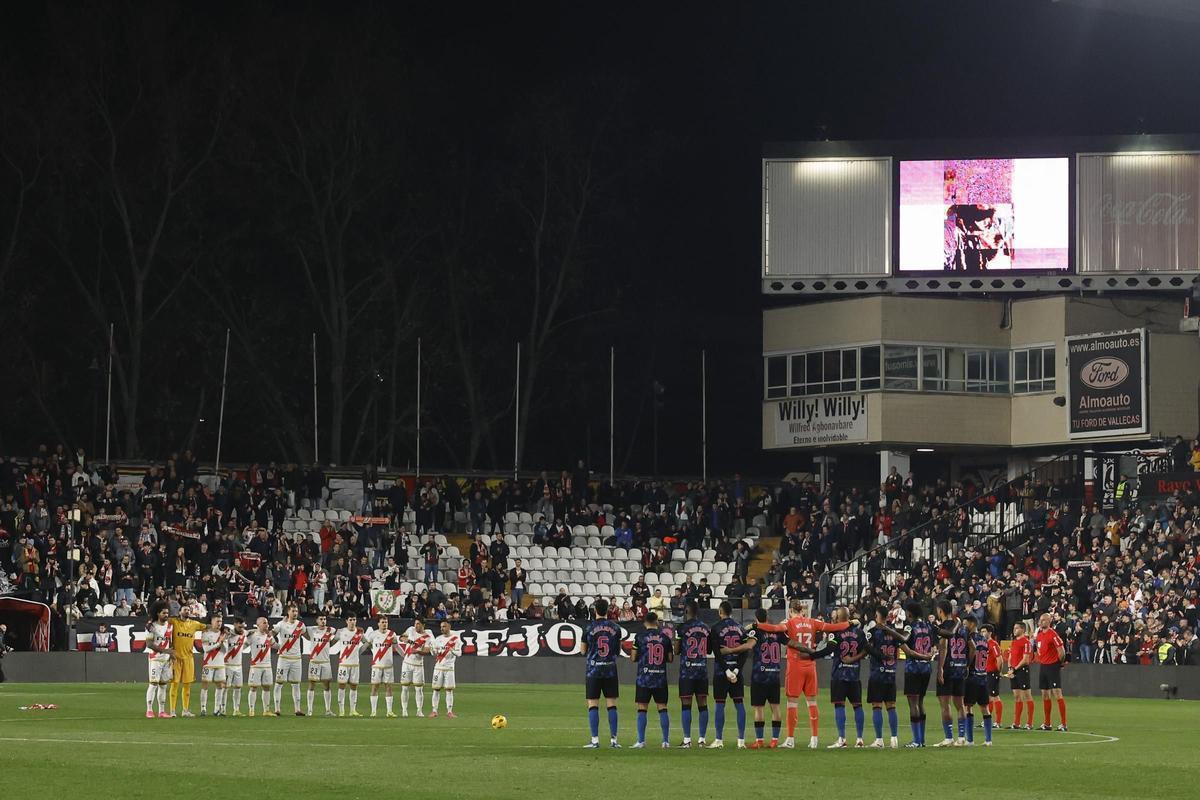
159,635
445,650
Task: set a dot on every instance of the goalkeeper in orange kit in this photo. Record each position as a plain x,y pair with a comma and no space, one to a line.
183,660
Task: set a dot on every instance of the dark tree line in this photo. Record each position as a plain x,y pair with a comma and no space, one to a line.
281,175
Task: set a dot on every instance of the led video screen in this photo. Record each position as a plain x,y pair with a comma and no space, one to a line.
984,215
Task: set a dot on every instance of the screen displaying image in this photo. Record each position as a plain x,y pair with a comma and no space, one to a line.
984,215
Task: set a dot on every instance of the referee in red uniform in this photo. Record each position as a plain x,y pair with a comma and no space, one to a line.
1050,655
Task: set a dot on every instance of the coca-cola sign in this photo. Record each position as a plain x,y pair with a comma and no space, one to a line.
1104,373
1138,212
1158,208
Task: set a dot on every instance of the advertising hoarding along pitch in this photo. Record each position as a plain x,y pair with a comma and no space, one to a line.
984,215
1106,384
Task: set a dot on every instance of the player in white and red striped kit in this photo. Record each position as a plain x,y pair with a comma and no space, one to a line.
416,641
445,648
353,641
212,664
289,632
259,644
235,649
383,644
319,669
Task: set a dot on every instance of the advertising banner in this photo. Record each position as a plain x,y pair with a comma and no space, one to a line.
833,419
1165,484
1106,385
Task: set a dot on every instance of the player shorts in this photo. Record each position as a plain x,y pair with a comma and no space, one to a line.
993,684
763,693
693,687
183,670
648,694
801,681
609,687
1019,682
845,692
916,684
953,687
975,693
881,691
287,671
233,675
1049,676
320,671
260,676
382,675
443,679
160,671
722,688
412,674
348,673
212,674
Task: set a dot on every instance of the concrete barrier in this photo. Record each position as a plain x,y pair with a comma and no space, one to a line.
1079,680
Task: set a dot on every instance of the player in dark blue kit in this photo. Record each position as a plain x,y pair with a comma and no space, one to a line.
724,640
953,647
921,638
691,646
601,647
767,650
652,651
848,647
884,645
977,681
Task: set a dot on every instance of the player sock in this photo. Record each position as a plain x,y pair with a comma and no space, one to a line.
998,712
1062,710
1019,707
220,706
685,719
436,701
915,724
987,727
450,705
970,727
237,701
203,701
374,704
277,693
151,694
1046,704
162,698
253,698
327,696
295,697
740,708
839,719
641,725
759,727
341,700
877,721
174,696
387,701
962,727
720,719
420,690
310,696
594,722
612,721
664,722
860,721
404,699
946,728
893,722
703,721
774,729
921,727
814,722
1029,712
792,718
354,699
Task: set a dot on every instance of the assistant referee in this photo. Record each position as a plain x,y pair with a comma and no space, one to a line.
1051,656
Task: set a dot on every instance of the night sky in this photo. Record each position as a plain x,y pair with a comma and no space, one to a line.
690,92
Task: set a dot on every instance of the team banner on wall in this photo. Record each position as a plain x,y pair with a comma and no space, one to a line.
1106,384
832,419
1165,484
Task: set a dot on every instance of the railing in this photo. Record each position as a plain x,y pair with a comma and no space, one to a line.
996,514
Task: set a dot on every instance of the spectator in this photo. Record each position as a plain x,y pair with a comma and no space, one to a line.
432,551
517,578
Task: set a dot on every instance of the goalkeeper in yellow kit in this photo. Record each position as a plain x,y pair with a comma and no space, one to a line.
183,661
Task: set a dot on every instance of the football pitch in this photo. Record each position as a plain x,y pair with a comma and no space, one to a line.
98,743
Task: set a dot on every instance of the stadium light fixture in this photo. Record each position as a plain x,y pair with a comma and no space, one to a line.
924,449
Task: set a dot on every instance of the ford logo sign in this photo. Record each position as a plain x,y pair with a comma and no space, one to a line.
1104,373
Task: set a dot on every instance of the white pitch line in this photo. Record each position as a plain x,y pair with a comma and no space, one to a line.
1099,738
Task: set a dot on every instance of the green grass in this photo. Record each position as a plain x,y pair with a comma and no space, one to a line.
98,744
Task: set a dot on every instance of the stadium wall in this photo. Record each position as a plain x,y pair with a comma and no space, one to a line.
1081,680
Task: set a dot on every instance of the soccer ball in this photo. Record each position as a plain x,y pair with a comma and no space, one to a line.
499,721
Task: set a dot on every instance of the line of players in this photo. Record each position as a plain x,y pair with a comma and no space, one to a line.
225,649
959,653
